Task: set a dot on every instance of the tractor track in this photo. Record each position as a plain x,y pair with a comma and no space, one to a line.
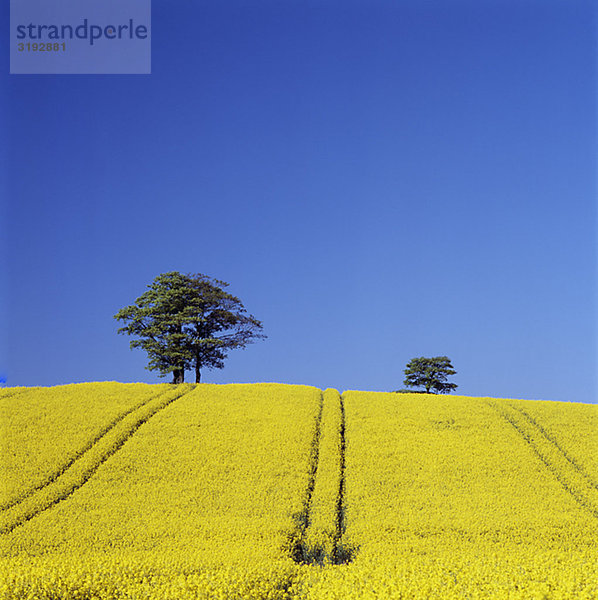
316,541
18,392
79,454
342,553
302,518
61,488
579,468
561,475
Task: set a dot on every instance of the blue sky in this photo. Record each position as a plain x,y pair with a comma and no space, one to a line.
376,180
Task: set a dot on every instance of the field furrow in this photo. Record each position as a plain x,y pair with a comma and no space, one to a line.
343,551
280,492
320,541
567,473
199,503
78,454
298,545
444,500
83,467
34,450
573,430
6,393
557,445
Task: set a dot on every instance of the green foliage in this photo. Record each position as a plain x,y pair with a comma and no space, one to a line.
187,321
431,374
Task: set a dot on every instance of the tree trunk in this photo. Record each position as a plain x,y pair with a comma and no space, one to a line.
197,371
178,376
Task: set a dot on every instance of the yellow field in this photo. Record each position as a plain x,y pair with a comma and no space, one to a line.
273,491
454,497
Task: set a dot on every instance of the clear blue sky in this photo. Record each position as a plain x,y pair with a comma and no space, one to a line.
376,180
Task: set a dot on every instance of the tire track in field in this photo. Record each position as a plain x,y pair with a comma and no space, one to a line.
579,468
77,455
342,553
318,539
17,392
340,499
561,475
297,538
85,466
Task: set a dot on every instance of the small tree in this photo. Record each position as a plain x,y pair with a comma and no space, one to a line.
431,374
188,322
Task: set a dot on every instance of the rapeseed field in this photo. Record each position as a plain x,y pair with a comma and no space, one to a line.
114,491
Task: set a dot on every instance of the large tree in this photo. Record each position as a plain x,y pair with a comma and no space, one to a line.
187,321
431,374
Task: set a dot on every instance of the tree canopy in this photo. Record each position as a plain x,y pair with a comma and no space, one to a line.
188,321
431,374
